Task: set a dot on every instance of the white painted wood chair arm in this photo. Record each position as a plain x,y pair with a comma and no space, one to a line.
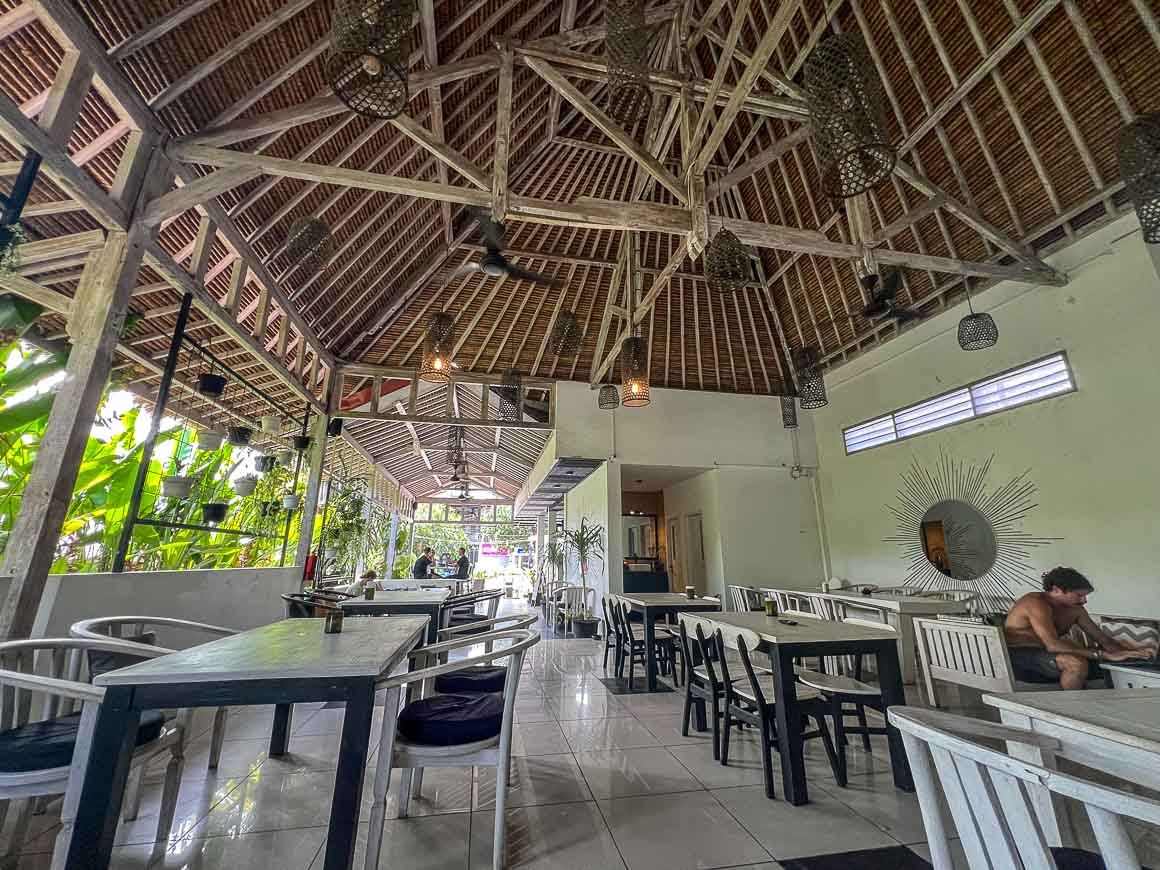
970,727
518,620
523,639
52,686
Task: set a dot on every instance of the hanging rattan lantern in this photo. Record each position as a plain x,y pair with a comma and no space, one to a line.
845,99
309,245
370,44
511,393
626,52
609,398
436,365
811,386
978,331
1139,154
566,334
726,263
455,447
789,412
634,373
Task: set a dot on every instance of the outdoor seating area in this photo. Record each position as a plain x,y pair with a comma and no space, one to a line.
591,435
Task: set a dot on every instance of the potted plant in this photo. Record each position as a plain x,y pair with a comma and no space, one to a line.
176,485
271,424
264,464
208,439
301,442
239,436
211,384
290,501
586,543
246,484
285,458
213,512
334,427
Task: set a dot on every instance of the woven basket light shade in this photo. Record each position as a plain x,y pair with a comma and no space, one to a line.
370,44
726,263
609,398
566,334
437,347
977,331
1139,153
811,386
626,52
845,98
634,373
789,412
510,395
455,447
310,245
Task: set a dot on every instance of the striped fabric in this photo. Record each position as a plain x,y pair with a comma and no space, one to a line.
1135,631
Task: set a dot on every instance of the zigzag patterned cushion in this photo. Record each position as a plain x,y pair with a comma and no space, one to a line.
1138,632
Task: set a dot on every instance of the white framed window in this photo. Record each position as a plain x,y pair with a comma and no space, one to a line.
1039,379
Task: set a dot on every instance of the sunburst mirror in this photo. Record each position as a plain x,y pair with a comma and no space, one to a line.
957,531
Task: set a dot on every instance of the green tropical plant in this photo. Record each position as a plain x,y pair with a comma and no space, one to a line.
585,543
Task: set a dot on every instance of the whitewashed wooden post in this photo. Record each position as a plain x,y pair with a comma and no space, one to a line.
392,546
317,460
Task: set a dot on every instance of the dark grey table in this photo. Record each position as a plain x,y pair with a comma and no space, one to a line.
425,602
282,663
653,604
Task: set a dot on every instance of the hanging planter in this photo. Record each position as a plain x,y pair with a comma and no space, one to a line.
330,554
176,486
269,508
211,384
291,500
272,424
213,512
334,427
245,485
209,439
301,442
264,464
285,457
239,436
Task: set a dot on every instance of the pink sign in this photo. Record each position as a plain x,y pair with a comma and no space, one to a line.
492,550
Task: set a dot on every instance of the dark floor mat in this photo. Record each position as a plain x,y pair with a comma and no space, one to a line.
891,858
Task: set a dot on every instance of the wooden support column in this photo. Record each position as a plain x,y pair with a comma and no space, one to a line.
503,138
98,314
317,460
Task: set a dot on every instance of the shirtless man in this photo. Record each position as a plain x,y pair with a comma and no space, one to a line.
1037,627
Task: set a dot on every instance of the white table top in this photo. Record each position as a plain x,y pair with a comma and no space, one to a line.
399,596
807,630
665,599
916,604
1130,716
290,649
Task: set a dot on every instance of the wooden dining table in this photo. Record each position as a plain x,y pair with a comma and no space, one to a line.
283,663
652,605
808,637
402,602
1116,731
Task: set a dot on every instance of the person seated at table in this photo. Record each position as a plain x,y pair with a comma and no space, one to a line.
422,567
1037,627
462,566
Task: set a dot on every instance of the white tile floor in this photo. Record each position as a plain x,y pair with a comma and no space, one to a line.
600,781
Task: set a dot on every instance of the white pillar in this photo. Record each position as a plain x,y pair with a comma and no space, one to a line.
317,460
389,569
541,524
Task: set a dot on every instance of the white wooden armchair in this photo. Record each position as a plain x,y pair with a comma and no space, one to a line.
425,731
997,802
139,631
48,710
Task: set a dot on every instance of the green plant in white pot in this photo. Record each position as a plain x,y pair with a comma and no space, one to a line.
585,543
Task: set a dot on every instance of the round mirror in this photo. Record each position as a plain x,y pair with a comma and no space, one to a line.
958,540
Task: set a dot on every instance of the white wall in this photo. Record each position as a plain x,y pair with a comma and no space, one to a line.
1092,454
597,499
234,598
697,495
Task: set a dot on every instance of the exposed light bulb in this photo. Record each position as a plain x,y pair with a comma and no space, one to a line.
635,387
372,66
437,364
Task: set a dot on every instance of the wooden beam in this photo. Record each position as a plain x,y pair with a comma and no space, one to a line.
66,95
739,12
448,156
442,420
567,22
184,12
181,200
503,137
38,293
758,162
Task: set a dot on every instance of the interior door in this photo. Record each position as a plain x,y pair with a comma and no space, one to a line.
696,560
676,574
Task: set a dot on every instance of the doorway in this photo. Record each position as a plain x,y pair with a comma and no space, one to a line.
676,575
696,562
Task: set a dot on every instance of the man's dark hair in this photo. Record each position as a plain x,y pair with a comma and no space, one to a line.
1067,579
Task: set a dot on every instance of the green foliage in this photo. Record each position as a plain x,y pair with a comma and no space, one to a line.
584,543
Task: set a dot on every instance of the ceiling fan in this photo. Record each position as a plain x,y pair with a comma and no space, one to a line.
883,289
493,263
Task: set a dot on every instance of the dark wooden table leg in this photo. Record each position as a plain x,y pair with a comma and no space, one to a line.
280,733
789,730
650,649
890,681
99,809
348,779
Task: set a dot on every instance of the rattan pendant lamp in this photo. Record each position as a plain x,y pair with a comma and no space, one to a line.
438,345
566,334
370,44
626,53
846,102
726,263
789,418
609,398
1139,156
309,245
978,329
511,393
811,385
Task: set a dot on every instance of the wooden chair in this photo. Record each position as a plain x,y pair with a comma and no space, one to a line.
994,799
744,598
423,734
141,631
753,702
789,599
631,639
46,730
968,653
703,689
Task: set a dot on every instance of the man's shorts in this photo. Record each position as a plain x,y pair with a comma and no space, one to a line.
1040,666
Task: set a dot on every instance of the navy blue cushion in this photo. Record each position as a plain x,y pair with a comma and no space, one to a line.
1067,858
483,678
103,661
449,720
48,744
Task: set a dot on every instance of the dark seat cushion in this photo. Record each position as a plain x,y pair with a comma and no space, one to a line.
1077,859
449,720
103,661
470,681
48,744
